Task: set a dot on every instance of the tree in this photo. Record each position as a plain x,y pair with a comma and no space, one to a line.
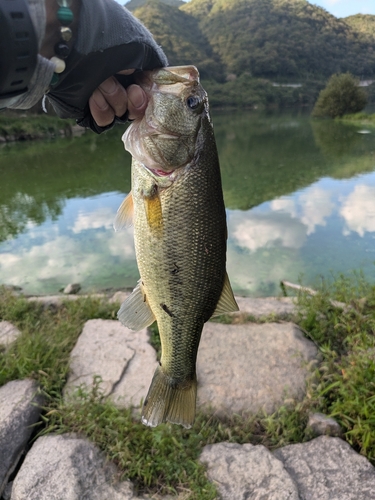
341,96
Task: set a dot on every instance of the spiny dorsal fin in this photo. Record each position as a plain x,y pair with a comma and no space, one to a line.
135,313
124,216
227,303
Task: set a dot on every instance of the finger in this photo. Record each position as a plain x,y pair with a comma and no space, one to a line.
102,113
137,101
126,72
115,95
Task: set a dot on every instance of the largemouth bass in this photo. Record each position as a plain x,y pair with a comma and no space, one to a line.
177,208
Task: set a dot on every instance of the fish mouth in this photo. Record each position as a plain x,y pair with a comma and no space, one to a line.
158,172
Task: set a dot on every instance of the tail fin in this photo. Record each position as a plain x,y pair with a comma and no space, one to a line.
168,402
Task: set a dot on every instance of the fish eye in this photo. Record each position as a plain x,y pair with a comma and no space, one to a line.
193,102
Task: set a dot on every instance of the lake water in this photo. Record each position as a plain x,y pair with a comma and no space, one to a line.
300,198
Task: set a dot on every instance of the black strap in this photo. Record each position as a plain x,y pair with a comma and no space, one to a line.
18,48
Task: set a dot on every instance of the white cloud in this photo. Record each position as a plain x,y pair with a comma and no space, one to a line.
358,210
65,259
254,231
316,207
102,217
284,205
119,244
312,207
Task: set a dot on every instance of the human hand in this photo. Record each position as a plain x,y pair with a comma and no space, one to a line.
95,88
111,99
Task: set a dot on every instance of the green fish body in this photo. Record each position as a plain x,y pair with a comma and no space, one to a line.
180,235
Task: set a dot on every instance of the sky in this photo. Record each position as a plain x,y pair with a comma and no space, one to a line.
344,8
339,8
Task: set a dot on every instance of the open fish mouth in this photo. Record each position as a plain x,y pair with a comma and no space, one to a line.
158,172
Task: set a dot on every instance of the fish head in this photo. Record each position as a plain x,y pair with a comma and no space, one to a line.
165,138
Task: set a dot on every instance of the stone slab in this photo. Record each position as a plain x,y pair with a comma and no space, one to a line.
252,367
58,300
123,359
264,308
247,471
327,468
65,467
19,408
8,333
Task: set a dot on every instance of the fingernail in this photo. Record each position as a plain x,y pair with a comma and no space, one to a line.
136,96
108,86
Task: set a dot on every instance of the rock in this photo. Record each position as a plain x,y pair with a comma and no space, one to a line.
123,359
247,471
55,301
19,409
264,308
7,493
12,288
65,467
8,333
119,297
77,130
319,424
72,289
252,367
327,468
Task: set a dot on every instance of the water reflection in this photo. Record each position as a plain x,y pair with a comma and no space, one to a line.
358,210
36,179
80,246
300,197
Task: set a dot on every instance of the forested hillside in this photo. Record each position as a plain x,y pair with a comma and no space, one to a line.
364,24
267,38
272,40
180,37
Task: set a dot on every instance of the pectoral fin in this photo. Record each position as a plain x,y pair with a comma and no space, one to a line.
135,313
154,211
227,303
124,216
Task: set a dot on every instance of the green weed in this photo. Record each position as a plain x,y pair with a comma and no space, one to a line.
345,385
165,459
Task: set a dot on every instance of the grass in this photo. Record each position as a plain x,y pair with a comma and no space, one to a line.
359,119
345,387
32,126
165,459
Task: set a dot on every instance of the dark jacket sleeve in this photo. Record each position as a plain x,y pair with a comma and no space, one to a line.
109,39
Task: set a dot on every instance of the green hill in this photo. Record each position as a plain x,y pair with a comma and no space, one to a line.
281,38
284,41
363,24
135,4
180,37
